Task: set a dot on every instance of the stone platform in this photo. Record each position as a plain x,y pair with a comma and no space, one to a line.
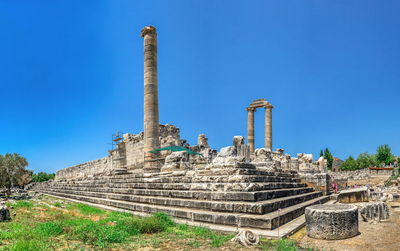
235,196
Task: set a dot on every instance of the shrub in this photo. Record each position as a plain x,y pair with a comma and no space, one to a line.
129,225
152,224
164,218
156,223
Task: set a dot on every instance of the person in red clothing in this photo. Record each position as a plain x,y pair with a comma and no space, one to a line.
334,187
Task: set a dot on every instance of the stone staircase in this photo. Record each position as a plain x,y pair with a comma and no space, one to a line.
238,196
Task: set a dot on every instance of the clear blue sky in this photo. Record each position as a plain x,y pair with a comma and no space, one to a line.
71,74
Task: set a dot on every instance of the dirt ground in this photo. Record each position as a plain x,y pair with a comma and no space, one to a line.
381,236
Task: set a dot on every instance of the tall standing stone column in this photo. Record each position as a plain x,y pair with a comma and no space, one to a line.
250,128
268,127
151,120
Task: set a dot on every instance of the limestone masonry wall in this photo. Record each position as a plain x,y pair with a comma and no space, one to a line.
169,136
350,175
129,155
85,170
358,174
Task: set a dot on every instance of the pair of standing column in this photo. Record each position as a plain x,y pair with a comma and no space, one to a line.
267,129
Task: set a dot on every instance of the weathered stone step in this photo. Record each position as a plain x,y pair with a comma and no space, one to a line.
196,179
233,219
191,186
233,171
198,195
280,217
205,172
221,171
260,207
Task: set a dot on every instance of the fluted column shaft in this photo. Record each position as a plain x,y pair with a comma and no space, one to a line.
268,127
250,128
151,119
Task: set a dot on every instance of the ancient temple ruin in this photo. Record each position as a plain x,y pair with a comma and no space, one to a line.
259,103
238,186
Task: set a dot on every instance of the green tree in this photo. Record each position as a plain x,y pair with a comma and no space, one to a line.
12,166
42,176
321,153
23,178
329,158
384,155
349,164
365,160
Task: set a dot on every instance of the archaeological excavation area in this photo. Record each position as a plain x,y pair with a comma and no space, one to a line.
237,187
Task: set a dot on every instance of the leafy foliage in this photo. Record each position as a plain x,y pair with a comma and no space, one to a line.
365,160
329,157
12,168
384,155
349,164
42,176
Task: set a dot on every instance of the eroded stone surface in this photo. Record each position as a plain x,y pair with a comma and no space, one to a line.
4,214
246,238
376,211
176,161
332,222
353,195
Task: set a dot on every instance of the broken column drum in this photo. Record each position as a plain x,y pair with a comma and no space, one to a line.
151,119
332,222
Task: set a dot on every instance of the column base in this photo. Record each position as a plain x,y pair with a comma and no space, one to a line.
153,165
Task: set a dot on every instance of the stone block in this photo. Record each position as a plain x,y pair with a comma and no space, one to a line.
4,214
376,211
332,222
353,195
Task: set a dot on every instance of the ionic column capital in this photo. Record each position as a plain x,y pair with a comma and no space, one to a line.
250,109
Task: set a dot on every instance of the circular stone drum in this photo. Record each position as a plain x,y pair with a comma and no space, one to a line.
332,222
